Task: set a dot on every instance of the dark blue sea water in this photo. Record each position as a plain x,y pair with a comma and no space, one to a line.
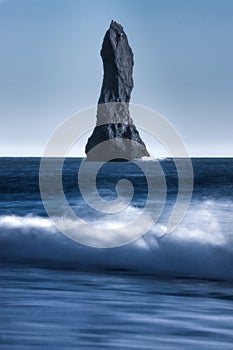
163,291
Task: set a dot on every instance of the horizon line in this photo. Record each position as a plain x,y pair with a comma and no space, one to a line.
155,158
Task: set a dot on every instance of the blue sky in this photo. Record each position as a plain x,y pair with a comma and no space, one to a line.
50,67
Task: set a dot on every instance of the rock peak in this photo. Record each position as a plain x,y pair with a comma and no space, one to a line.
116,26
114,123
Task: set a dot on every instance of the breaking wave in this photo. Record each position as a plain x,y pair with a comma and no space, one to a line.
201,247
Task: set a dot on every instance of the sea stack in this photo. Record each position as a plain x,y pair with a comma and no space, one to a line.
114,123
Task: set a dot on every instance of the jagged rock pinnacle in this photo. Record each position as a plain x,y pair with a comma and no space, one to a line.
114,123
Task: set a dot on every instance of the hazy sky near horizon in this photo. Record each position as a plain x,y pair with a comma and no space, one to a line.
50,67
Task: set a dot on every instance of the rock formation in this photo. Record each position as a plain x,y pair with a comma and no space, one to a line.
114,123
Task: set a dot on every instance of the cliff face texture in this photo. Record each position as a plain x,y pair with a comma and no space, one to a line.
114,123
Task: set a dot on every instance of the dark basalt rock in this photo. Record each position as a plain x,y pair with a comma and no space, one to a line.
114,123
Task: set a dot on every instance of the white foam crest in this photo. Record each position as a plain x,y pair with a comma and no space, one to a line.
204,223
25,222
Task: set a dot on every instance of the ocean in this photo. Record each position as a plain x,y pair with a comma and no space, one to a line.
162,291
